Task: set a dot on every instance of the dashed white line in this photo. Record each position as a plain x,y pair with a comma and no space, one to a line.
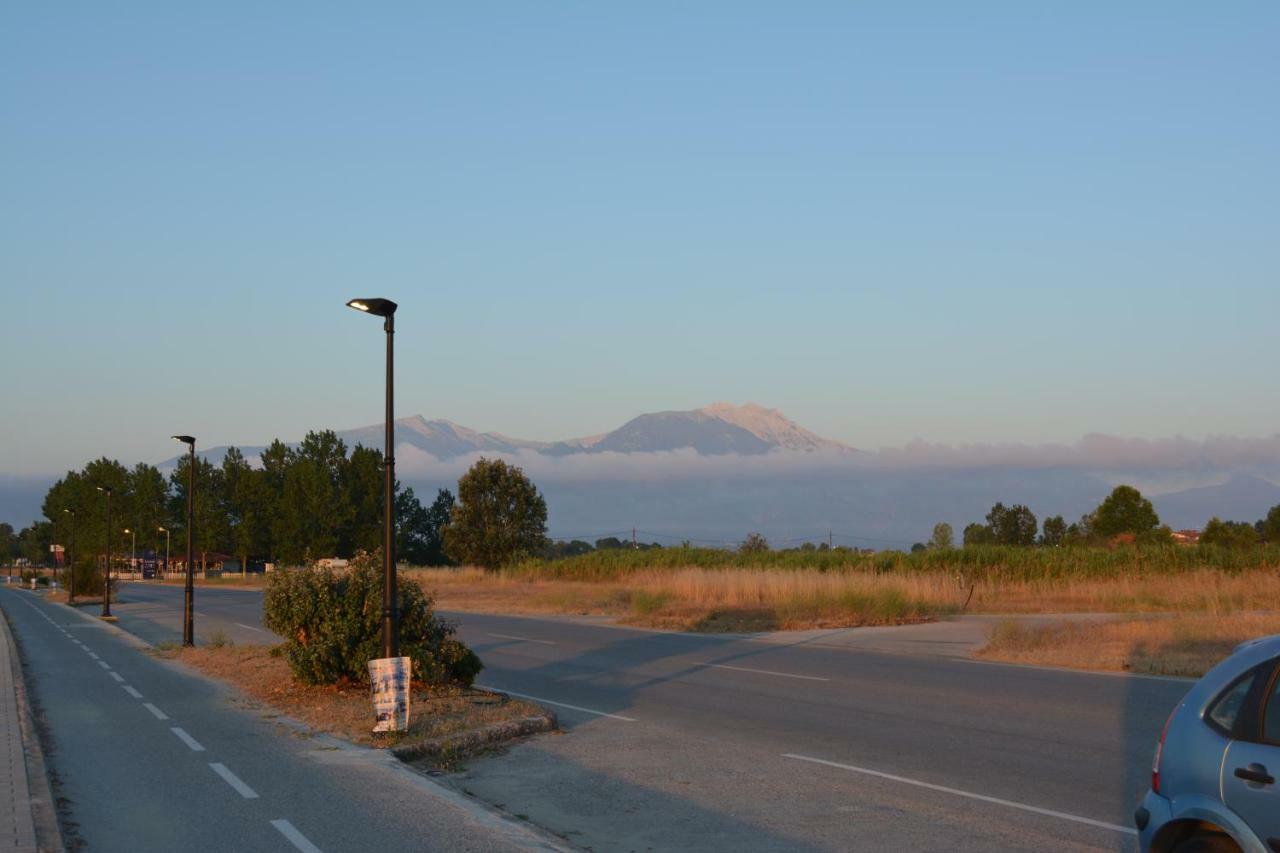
104,664
764,671
565,705
132,691
297,839
92,655
160,715
1127,830
522,639
187,739
117,676
250,627
234,781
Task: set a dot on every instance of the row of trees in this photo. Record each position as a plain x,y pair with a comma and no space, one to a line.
1124,513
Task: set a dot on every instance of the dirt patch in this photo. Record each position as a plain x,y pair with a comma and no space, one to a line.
1187,645
441,718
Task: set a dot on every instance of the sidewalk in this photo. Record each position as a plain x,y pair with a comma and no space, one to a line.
17,826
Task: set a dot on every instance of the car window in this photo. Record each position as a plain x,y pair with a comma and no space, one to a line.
1271,722
1225,710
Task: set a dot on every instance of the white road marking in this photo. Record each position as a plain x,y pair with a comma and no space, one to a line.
92,655
250,627
1174,678
564,705
764,671
132,691
234,781
297,839
522,639
1127,830
160,715
104,664
187,739
117,676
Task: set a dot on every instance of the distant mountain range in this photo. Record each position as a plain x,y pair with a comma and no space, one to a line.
714,430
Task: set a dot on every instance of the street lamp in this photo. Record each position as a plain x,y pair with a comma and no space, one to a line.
133,552
386,309
106,587
165,531
188,598
71,559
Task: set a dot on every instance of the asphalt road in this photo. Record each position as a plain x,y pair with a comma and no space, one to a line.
146,756
687,741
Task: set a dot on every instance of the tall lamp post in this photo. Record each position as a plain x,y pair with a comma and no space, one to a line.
71,559
165,531
133,550
386,309
188,597
106,587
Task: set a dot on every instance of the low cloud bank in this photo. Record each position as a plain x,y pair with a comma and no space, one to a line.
1094,452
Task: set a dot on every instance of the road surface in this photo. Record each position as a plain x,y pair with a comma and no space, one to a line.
680,740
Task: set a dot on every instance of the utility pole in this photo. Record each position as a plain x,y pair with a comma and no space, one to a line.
634,546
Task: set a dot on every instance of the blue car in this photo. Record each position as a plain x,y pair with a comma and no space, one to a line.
1213,782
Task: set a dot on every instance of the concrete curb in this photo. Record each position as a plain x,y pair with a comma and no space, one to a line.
476,738
44,813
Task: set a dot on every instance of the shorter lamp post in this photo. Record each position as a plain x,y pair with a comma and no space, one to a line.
106,586
71,559
165,531
133,550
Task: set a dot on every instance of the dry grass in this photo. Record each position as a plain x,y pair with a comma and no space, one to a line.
346,710
1185,644
767,599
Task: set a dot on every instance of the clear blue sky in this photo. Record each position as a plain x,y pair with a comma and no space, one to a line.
958,221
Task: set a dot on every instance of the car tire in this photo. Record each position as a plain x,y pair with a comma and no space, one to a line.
1215,843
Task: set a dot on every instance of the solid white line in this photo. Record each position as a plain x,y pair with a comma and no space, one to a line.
117,676
522,639
251,628
234,781
1127,830
132,691
160,715
297,839
764,671
187,739
104,664
564,705
1072,671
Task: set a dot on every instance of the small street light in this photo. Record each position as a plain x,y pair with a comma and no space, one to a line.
165,531
106,587
386,309
133,553
71,559
188,608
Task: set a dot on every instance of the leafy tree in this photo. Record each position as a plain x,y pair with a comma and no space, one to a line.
247,507
942,537
419,537
611,543
919,548
1054,531
8,543
212,529
754,544
313,510
362,477
1228,534
1015,525
1269,527
499,517
1125,510
978,534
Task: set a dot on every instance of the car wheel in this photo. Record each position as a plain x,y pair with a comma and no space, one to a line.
1215,843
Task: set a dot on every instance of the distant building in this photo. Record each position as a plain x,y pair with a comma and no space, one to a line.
1186,537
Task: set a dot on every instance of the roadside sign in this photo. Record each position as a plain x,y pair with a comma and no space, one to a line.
389,681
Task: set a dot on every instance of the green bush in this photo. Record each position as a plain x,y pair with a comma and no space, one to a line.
332,625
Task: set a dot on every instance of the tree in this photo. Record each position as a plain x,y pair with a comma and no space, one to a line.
1228,534
8,543
754,544
212,529
247,507
1269,527
919,548
1125,510
977,534
1015,525
313,511
499,517
1055,530
942,537
361,479
419,537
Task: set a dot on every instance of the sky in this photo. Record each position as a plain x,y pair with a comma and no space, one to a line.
979,222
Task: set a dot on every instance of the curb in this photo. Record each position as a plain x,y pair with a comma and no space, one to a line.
44,813
475,738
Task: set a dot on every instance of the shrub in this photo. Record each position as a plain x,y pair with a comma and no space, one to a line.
332,625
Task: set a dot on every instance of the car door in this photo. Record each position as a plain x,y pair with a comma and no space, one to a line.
1251,771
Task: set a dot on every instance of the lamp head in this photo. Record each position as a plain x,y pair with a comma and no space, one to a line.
163,529
186,439
105,489
378,307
